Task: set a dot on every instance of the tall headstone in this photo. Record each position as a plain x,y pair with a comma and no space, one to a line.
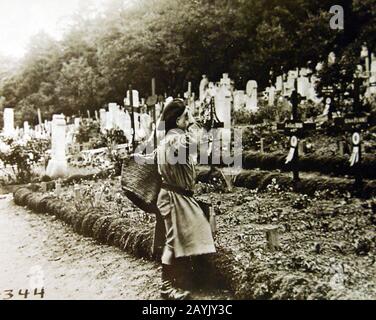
26,128
112,109
203,86
373,64
48,127
37,131
289,86
128,126
279,83
69,135
118,111
372,79
122,121
239,100
77,122
39,117
103,121
146,123
138,134
141,124
223,102
251,90
271,95
312,94
108,120
303,86
8,122
57,166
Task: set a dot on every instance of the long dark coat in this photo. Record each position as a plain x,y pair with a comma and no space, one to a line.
192,232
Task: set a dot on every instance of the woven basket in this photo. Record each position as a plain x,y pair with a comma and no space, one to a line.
141,183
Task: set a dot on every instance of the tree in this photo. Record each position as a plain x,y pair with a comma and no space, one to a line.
77,87
176,41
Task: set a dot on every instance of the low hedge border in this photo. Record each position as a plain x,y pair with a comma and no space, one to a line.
256,283
334,165
253,179
50,184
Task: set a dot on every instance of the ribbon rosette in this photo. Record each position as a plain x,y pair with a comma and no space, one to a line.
356,148
293,145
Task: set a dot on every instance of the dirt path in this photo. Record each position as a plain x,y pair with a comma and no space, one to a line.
39,251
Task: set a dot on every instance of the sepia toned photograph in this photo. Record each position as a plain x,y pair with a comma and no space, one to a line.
196,150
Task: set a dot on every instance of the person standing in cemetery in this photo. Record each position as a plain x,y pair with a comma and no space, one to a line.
187,231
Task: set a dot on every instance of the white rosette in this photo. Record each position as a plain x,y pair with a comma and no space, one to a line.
356,149
293,146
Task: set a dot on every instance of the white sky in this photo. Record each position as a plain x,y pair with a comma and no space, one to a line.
21,19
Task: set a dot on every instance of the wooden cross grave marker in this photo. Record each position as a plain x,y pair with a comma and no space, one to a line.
295,129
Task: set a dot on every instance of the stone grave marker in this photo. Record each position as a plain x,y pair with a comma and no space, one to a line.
77,122
279,83
26,128
303,86
203,87
9,122
103,119
112,113
271,95
108,121
39,117
251,98
57,166
239,100
223,100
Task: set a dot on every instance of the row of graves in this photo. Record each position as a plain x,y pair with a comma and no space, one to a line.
297,87
142,115
137,118
354,121
40,131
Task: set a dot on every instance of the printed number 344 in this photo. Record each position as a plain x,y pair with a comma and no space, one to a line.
9,294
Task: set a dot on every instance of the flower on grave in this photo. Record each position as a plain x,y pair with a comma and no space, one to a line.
118,198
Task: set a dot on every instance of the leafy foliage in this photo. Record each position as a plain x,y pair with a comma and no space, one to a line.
21,157
111,139
177,41
87,131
